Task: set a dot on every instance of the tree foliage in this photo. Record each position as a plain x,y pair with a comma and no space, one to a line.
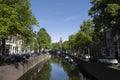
15,18
65,45
85,35
106,14
72,41
31,43
44,39
55,46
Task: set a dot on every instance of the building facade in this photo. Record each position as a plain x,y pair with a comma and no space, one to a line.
111,44
14,45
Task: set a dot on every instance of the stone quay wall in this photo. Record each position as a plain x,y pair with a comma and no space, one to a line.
16,70
96,71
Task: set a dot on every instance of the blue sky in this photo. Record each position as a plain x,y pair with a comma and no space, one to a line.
60,18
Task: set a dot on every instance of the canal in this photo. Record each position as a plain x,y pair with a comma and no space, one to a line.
54,69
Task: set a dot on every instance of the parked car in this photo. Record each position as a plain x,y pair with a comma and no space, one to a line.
107,60
25,56
67,57
33,55
86,56
70,60
14,58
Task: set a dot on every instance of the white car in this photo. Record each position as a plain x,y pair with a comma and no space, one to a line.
107,60
71,60
112,60
67,57
87,56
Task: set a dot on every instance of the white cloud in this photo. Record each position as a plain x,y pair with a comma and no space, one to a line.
71,18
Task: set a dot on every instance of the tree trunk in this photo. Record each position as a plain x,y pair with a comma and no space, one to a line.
3,47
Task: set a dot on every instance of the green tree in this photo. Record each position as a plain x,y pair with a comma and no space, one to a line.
55,46
65,45
87,27
84,37
72,41
106,14
43,39
16,18
32,43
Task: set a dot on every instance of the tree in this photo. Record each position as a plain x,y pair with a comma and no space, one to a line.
16,18
84,37
106,14
82,40
55,46
44,39
65,45
87,27
72,41
31,43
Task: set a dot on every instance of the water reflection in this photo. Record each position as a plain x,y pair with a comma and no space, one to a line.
58,73
54,69
44,74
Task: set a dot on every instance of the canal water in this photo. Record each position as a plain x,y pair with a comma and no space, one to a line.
54,69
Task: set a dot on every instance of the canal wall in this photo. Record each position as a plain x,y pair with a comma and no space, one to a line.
97,71
15,71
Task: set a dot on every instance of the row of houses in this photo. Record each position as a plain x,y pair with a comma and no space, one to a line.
109,45
112,43
13,45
